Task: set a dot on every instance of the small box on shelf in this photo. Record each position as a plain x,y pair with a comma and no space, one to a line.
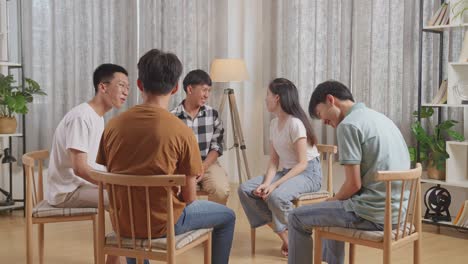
457,164
457,90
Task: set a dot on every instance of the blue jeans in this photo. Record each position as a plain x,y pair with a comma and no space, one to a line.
206,214
276,207
303,219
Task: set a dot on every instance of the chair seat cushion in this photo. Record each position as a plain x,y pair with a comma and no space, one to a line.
44,209
159,243
313,195
375,236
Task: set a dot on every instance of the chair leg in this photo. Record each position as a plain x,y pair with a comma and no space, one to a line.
252,240
352,253
317,247
171,256
29,243
95,239
40,238
417,252
207,250
387,256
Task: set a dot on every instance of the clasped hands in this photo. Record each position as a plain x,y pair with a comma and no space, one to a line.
264,190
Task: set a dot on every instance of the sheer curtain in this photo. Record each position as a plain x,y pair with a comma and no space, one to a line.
194,30
371,46
311,43
63,42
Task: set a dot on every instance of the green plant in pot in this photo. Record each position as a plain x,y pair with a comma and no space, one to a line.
432,142
14,100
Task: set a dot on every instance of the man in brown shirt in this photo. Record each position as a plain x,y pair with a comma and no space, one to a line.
146,140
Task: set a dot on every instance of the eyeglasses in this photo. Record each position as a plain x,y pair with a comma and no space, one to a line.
121,85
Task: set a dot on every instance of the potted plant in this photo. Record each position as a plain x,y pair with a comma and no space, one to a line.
14,99
432,142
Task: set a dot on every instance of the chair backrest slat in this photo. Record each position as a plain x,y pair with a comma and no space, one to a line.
388,211
148,217
170,225
130,211
40,187
113,214
413,213
403,185
35,195
327,152
408,208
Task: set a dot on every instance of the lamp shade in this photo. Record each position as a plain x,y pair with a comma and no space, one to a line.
228,70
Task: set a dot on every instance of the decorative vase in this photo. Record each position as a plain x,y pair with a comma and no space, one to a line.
434,173
7,125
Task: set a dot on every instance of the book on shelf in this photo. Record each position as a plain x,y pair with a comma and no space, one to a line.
462,216
441,95
440,17
464,51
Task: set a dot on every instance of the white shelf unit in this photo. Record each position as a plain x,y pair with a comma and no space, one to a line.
444,223
457,74
445,105
10,65
444,27
457,80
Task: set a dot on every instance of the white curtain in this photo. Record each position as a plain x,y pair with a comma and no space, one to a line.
194,30
311,43
371,46
64,41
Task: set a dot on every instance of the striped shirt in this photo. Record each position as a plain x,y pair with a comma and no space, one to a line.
207,126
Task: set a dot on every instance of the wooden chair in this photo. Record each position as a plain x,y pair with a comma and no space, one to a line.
408,228
163,249
326,151
39,212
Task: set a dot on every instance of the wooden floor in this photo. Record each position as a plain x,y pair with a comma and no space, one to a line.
71,243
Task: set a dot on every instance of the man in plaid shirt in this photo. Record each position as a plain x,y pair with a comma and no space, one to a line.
208,128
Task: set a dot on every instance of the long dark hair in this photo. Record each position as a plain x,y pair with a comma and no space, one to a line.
289,101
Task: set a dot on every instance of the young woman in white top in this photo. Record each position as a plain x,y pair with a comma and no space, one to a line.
294,165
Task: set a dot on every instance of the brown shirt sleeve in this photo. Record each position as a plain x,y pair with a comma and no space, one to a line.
101,157
190,162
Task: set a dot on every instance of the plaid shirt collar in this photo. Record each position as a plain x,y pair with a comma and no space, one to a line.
181,113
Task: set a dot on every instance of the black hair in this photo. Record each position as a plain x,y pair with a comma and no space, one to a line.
320,93
196,77
105,73
159,71
289,101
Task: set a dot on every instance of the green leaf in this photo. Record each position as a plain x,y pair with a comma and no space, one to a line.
425,112
412,153
14,99
447,124
455,135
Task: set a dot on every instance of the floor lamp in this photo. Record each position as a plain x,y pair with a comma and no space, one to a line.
232,70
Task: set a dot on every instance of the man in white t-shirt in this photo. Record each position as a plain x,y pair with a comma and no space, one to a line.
76,141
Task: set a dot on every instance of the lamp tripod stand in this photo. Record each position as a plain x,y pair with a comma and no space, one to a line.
238,136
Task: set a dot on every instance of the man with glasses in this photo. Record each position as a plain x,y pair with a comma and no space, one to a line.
76,141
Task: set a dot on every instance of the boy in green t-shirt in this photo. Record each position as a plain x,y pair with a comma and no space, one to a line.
368,141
